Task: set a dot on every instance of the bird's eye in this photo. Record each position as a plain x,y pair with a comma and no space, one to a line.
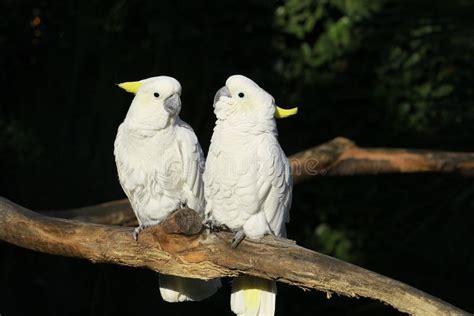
156,94
241,94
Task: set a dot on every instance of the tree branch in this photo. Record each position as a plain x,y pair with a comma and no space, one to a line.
342,157
110,213
208,256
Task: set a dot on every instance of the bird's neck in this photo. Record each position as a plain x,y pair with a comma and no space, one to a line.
147,131
242,126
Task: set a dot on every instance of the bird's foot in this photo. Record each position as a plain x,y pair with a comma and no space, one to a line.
215,226
238,237
182,204
138,230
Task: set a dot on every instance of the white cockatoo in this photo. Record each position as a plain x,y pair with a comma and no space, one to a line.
160,163
247,180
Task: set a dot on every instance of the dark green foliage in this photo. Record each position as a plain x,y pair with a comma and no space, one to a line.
384,73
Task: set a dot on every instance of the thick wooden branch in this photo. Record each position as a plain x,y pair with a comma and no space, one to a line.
208,256
111,213
342,157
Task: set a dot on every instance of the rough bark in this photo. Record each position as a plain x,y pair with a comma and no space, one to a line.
182,221
209,255
342,157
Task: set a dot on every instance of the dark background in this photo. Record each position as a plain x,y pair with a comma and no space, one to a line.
383,73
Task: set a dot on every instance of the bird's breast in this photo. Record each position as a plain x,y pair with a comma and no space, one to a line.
153,163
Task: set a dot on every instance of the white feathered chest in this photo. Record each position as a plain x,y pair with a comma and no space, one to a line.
152,173
247,180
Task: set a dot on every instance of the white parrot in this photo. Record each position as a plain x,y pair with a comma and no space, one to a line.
160,163
247,180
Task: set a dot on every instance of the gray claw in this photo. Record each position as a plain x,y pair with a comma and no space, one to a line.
182,204
238,237
214,225
137,231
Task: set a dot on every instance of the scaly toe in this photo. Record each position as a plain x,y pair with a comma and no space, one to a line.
238,237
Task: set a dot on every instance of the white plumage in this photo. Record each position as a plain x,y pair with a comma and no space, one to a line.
160,164
248,184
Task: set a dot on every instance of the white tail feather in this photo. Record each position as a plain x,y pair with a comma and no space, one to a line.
177,289
253,296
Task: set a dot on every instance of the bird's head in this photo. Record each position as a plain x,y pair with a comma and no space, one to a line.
241,97
156,104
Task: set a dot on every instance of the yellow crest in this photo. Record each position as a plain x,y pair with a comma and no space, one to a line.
282,113
131,86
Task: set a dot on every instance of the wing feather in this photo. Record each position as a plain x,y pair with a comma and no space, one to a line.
276,186
193,164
